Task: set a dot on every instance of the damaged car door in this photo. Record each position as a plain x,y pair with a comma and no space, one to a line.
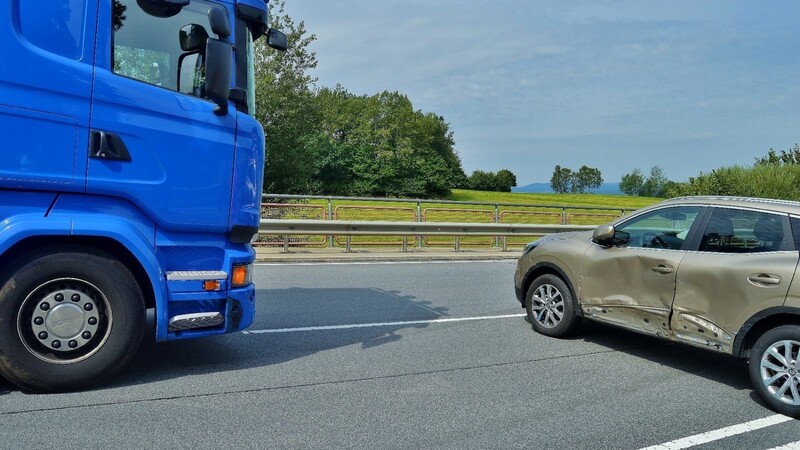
744,264
632,283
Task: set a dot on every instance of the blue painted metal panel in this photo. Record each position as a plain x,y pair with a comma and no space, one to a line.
44,95
181,165
248,173
260,4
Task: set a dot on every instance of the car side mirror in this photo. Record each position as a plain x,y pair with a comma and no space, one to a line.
608,236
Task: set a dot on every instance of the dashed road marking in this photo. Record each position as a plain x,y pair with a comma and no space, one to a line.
789,446
373,263
722,433
383,324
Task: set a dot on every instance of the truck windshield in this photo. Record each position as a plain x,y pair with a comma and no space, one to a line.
162,51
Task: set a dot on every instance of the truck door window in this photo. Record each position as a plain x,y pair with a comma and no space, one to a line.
56,27
147,48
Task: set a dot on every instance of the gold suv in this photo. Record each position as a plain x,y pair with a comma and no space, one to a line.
713,272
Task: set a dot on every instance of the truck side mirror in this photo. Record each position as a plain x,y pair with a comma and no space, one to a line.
162,8
218,19
192,37
277,40
219,56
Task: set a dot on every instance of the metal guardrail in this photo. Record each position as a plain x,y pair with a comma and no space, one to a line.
319,207
287,227
330,199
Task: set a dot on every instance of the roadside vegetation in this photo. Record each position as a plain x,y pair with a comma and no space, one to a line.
328,141
573,200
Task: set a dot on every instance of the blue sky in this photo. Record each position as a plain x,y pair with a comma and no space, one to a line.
525,85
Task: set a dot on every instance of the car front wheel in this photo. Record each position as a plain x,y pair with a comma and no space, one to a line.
550,307
775,369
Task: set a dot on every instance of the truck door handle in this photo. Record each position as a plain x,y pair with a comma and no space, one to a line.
105,145
762,279
661,268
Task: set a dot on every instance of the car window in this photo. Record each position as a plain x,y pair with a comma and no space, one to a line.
662,228
743,231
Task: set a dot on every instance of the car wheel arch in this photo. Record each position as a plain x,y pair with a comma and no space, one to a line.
544,268
759,324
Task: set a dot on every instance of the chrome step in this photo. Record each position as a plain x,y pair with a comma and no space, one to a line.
195,320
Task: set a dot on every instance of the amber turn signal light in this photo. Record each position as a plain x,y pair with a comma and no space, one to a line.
240,276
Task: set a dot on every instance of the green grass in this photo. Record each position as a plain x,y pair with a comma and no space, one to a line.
573,200
548,211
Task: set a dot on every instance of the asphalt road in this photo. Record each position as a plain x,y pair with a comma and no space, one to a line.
410,355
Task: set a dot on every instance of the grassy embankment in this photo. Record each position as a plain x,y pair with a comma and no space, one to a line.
548,210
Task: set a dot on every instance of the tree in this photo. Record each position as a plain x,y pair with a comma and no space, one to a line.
380,145
561,181
285,106
329,141
502,181
586,178
505,180
790,157
565,180
656,183
631,183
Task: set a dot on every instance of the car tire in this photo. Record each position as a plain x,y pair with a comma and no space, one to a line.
774,367
70,319
550,306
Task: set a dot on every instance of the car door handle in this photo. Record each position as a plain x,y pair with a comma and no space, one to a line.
763,278
662,269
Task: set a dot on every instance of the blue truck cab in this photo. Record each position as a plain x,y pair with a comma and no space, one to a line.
131,169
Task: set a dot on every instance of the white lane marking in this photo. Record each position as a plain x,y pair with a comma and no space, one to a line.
789,446
722,433
373,263
382,324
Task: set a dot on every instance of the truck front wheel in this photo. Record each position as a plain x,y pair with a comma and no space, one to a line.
68,319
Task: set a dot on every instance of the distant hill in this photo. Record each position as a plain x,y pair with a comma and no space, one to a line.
544,188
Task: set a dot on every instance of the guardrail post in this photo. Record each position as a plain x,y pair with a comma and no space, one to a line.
458,244
563,216
419,219
497,220
330,217
505,243
286,243
405,244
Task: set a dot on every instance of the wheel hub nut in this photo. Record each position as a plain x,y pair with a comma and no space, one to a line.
74,322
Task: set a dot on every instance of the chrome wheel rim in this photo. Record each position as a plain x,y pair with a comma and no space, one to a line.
547,305
780,372
64,321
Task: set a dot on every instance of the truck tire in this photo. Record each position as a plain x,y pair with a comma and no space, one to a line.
68,319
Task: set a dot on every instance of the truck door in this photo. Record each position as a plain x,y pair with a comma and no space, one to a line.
154,139
45,86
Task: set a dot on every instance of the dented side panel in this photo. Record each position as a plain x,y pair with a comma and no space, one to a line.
717,292
562,250
630,287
